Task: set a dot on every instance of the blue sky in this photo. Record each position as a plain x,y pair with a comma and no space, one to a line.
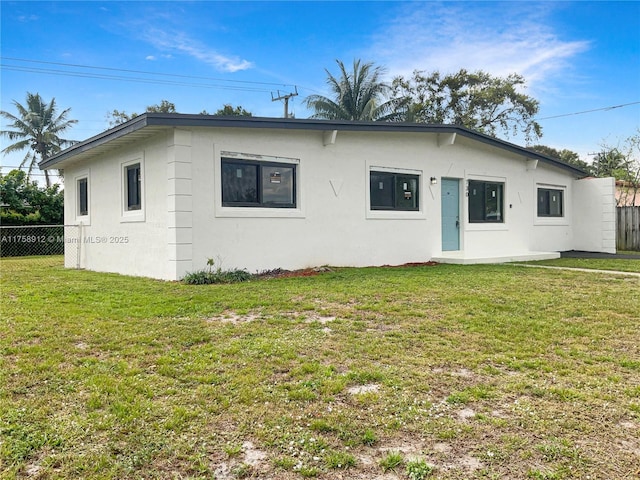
575,56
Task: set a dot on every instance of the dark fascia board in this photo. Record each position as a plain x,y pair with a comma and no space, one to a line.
177,120
107,136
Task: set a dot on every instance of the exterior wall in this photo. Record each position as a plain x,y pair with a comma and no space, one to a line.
111,240
184,223
333,223
595,226
179,203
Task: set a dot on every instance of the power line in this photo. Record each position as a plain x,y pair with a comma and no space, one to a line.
590,111
129,79
171,79
123,70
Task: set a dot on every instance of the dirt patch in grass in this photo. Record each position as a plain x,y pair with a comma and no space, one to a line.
313,271
412,264
282,273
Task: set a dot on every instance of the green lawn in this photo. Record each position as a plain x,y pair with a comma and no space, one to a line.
450,372
621,265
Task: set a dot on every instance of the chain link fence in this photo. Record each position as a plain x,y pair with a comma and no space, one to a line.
46,241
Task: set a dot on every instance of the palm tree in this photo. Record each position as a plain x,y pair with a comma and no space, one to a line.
358,95
37,126
611,162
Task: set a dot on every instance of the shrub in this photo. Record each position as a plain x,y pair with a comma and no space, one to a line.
212,275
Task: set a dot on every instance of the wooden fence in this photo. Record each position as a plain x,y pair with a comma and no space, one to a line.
628,234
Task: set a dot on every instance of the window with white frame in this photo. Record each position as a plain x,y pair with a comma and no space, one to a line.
133,187
250,183
394,191
82,194
550,202
486,201
132,190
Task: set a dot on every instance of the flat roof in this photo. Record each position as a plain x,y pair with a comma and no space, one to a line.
149,124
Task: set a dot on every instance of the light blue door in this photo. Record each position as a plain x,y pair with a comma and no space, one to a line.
450,214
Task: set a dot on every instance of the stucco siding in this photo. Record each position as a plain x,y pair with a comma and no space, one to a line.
595,226
183,221
111,241
334,224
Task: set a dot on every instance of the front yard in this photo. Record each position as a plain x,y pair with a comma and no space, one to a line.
448,372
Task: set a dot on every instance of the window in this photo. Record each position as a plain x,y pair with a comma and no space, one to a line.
248,183
133,186
486,202
394,191
83,197
550,202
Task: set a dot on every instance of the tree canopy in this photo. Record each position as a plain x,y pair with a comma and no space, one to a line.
116,117
359,94
38,127
229,111
611,162
24,202
567,156
475,100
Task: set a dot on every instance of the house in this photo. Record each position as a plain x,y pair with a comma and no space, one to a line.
159,195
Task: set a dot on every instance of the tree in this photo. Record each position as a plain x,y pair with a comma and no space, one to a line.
24,202
228,111
611,162
116,117
357,95
630,186
475,100
564,155
38,126
623,163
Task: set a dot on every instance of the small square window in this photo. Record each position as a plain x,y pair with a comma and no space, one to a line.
486,202
550,202
83,196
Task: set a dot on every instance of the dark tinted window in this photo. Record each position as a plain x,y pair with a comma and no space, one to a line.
550,202
394,191
134,199
258,184
83,197
486,202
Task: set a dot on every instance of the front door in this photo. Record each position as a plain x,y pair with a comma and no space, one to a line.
450,214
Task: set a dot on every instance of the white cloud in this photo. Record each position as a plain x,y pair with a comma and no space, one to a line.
179,42
150,58
500,38
28,18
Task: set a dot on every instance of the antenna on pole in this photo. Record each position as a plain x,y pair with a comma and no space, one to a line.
286,98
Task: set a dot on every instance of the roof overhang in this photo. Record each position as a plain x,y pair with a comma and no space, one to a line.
149,124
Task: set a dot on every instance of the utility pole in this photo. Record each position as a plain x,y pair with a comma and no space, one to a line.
286,100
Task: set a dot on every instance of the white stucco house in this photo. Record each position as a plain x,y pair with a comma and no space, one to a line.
159,195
